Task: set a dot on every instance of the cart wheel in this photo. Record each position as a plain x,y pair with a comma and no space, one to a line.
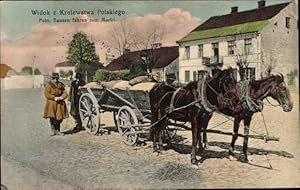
89,113
126,122
168,134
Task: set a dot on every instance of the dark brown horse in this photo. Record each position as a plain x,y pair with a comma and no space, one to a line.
193,103
252,94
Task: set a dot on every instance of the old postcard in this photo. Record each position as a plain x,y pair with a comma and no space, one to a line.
149,94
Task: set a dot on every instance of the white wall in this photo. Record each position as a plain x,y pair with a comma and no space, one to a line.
280,45
22,81
278,42
171,68
195,63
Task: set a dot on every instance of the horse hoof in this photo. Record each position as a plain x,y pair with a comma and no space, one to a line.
232,158
194,162
156,151
206,146
201,150
244,159
230,151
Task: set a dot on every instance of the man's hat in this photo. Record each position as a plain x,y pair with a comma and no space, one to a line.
55,76
78,76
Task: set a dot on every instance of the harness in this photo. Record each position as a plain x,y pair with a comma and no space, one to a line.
248,103
172,99
203,102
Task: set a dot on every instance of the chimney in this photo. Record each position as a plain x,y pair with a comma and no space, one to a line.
234,9
261,3
156,45
126,50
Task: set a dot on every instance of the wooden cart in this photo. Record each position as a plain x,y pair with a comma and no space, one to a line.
131,109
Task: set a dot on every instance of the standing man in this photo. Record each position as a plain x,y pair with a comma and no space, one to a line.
74,96
55,109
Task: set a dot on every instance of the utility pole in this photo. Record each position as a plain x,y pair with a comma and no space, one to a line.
33,59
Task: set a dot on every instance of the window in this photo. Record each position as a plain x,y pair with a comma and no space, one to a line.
187,76
248,46
250,73
201,74
187,52
200,50
287,22
231,46
215,47
195,76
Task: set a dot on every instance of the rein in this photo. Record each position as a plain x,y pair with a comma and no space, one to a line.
271,103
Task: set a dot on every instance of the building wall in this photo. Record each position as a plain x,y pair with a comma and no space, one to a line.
280,45
275,43
169,69
22,81
194,63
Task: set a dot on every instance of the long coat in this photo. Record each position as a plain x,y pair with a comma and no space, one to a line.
55,109
74,96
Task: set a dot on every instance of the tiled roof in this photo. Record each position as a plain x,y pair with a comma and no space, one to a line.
163,57
3,70
65,64
255,16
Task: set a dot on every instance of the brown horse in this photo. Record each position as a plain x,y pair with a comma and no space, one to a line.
193,103
252,94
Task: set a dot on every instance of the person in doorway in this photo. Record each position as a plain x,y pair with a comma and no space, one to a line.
74,96
55,109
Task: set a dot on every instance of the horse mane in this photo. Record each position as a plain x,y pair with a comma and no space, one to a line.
191,85
256,83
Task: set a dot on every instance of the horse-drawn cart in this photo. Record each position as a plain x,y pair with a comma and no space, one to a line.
131,110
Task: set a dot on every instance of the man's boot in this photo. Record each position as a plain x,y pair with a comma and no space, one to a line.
57,131
53,131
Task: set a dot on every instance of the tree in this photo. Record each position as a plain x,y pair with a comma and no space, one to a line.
123,36
28,70
242,61
83,53
63,74
150,40
268,62
70,73
147,39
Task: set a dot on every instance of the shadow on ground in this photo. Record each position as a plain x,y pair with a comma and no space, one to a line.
207,154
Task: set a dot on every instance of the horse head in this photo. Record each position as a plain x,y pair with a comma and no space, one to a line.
227,81
281,93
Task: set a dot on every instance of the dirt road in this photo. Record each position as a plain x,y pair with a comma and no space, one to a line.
82,161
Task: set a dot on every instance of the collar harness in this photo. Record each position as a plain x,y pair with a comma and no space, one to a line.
248,103
201,101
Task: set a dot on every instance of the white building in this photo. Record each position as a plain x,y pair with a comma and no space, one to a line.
65,66
264,37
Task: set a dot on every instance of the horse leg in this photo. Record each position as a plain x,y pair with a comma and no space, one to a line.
194,142
206,119
247,121
160,142
236,126
154,129
199,130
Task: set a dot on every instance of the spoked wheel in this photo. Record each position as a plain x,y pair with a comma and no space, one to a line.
168,134
126,122
89,113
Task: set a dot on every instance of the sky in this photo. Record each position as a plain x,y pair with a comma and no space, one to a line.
27,41
17,19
